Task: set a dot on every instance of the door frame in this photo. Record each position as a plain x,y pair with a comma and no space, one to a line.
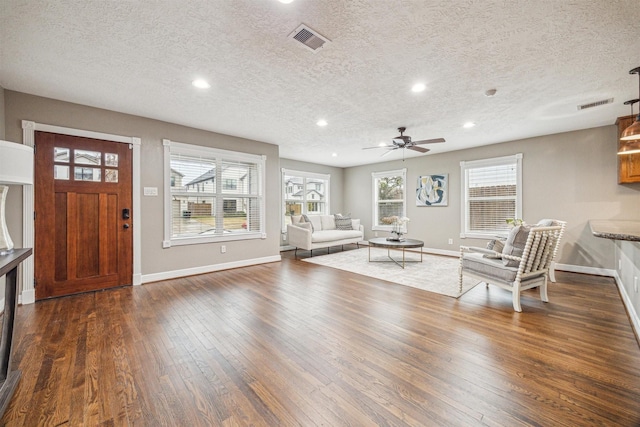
29,128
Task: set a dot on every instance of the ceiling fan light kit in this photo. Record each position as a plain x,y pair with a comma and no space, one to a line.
631,135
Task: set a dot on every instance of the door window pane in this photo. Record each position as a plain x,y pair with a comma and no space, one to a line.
60,172
110,175
111,159
85,157
87,174
61,155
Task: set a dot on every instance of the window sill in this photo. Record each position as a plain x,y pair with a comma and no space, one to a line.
489,235
205,240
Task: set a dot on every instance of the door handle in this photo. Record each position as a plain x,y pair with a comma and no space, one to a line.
126,214
125,226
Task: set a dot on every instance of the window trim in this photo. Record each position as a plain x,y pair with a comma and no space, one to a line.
220,156
375,175
306,175
472,164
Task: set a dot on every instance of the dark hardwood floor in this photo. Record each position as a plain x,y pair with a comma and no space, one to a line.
293,343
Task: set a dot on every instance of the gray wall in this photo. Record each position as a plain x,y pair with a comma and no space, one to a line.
2,119
155,259
2,126
336,192
570,176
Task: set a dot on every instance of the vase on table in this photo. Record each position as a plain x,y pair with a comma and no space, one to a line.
397,232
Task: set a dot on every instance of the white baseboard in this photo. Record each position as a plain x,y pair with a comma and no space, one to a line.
287,248
633,314
27,297
137,279
586,270
166,275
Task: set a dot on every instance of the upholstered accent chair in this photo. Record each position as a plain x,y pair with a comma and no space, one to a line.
524,262
563,225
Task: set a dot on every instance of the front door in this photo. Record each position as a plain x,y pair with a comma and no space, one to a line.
83,217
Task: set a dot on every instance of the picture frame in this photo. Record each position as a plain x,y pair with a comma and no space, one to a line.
433,190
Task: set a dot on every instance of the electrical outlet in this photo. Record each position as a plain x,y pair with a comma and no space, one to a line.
635,283
619,264
375,234
223,249
451,241
284,237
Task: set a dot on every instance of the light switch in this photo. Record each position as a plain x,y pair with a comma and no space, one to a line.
150,191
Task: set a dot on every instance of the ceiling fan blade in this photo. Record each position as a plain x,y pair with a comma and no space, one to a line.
387,152
429,141
379,146
419,149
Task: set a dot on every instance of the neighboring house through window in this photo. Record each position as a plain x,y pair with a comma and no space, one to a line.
491,193
304,193
389,197
212,195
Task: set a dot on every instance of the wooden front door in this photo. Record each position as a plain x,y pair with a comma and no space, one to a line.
83,216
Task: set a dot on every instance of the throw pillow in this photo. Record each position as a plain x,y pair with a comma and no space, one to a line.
328,222
305,225
515,244
307,220
496,246
343,222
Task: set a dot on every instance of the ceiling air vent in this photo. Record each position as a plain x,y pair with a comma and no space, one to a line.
309,38
595,104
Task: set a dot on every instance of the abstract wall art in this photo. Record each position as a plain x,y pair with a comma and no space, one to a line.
433,190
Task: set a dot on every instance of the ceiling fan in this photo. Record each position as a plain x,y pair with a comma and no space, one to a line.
404,141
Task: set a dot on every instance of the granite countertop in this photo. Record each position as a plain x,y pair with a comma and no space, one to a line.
616,229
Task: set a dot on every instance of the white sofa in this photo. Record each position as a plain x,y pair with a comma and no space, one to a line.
321,232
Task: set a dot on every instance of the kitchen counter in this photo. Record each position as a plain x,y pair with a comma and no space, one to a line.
616,229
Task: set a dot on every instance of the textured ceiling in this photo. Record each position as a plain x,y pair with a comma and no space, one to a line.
544,57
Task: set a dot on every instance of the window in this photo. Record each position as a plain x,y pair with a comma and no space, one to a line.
491,193
304,193
389,197
230,184
212,195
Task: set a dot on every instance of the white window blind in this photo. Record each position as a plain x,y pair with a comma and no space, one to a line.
212,195
492,192
389,197
304,193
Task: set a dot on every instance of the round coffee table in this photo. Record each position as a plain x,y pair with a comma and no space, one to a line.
381,242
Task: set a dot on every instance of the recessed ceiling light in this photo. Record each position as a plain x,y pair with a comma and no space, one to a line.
334,154
201,83
382,144
468,125
418,87
285,1
322,122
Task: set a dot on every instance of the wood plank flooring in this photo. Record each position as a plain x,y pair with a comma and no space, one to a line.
294,344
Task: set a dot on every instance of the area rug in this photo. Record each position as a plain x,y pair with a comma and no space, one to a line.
435,273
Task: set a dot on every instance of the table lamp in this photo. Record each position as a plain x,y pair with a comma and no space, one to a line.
16,168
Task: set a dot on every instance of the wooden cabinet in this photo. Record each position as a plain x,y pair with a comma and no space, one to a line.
628,164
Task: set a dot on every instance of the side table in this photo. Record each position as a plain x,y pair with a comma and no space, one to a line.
9,379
